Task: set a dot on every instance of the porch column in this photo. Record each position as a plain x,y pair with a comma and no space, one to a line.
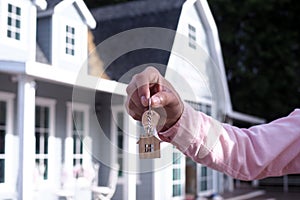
26,123
130,159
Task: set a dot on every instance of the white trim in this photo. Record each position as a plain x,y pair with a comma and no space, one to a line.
130,157
182,179
42,101
52,165
61,34
25,19
114,139
211,180
130,178
85,108
56,74
69,155
8,66
214,45
41,4
81,8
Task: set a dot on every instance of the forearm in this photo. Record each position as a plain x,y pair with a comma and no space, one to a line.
241,153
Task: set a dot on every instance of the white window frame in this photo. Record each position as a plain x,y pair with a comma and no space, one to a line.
63,23
9,155
114,139
69,149
50,103
21,44
207,179
192,34
178,166
210,178
70,42
14,15
123,179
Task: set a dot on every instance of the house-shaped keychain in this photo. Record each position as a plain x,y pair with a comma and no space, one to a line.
149,147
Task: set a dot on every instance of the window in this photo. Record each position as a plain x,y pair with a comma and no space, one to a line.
192,36
70,40
203,107
204,174
14,22
205,179
76,157
3,127
78,134
42,130
120,142
149,148
178,172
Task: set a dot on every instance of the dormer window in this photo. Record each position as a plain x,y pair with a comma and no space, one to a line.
70,40
192,36
14,22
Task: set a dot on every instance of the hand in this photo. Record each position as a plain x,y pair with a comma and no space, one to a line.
164,98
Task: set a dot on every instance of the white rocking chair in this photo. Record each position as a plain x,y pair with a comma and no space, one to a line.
106,192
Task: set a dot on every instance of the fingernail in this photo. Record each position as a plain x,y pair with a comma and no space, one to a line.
155,100
144,101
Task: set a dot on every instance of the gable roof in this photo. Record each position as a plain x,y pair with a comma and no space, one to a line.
41,4
135,9
58,5
136,14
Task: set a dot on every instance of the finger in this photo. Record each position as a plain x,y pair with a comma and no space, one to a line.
149,78
135,111
164,98
133,103
134,115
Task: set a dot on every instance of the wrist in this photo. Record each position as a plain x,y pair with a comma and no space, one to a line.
173,120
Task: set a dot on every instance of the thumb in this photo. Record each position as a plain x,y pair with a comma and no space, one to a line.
163,99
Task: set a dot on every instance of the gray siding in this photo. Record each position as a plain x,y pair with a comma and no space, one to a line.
7,85
44,35
145,189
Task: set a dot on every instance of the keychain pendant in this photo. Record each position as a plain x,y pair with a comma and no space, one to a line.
149,145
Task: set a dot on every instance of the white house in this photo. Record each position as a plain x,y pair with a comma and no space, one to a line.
42,48
196,70
57,122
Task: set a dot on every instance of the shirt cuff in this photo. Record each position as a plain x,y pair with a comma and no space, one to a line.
183,133
194,133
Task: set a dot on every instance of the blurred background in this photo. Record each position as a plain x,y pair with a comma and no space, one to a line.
260,43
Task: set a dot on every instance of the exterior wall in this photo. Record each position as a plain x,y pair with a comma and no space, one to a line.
145,189
61,95
205,85
22,49
60,20
7,94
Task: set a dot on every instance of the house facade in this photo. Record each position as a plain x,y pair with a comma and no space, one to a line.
62,130
43,131
196,29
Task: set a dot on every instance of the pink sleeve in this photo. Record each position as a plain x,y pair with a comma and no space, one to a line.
265,150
